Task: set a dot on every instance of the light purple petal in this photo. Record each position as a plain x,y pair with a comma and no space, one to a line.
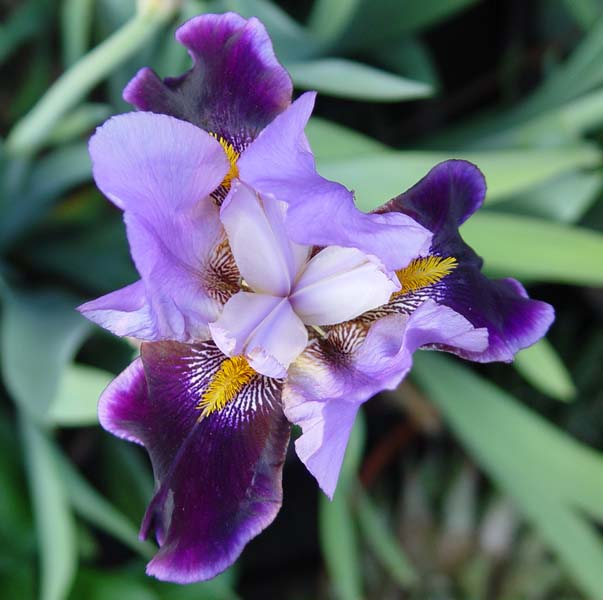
218,480
279,163
267,259
154,165
339,284
124,312
263,328
335,376
235,88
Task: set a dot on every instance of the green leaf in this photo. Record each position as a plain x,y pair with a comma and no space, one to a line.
93,507
95,257
377,177
377,23
534,249
50,177
27,20
542,367
330,140
348,79
218,588
547,473
585,12
40,334
54,522
339,544
76,18
337,530
565,199
75,404
382,540
79,121
329,18
105,585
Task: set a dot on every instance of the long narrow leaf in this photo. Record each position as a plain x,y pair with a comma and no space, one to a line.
54,522
546,472
543,368
536,249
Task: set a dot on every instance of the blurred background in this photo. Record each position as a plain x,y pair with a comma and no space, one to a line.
468,482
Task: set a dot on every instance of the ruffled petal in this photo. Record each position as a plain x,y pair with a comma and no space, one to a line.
441,201
339,284
267,259
235,87
333,377
160,171
321,212
121,407
155,165
218,479
263,328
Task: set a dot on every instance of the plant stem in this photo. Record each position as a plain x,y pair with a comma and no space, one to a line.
32,131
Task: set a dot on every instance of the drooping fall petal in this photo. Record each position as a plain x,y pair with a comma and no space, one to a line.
218,478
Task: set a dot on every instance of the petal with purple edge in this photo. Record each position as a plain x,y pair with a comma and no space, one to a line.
339,284
333,377
263,328
155,165
280,164
122,405
218,480
235,87
267,259
441,201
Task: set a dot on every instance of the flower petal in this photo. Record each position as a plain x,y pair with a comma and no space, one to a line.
155,165
441,201
124,312
121,407
339,284
333,377
235,87
266,258
218,480
280,164
263,328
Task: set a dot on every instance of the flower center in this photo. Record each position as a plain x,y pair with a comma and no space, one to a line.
234,373
425,271
232,156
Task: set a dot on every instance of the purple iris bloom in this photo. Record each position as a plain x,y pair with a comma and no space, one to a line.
265,297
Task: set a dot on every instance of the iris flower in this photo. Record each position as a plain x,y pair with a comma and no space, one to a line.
265,297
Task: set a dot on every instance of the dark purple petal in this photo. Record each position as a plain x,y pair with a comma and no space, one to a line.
218,480
235,87
446,197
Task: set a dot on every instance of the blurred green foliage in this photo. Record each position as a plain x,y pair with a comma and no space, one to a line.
506,508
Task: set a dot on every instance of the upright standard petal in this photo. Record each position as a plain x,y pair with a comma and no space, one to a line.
235,87
339,284
154,165
160,171
280,164
218,477
267,259
441,201
263,328
334,376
